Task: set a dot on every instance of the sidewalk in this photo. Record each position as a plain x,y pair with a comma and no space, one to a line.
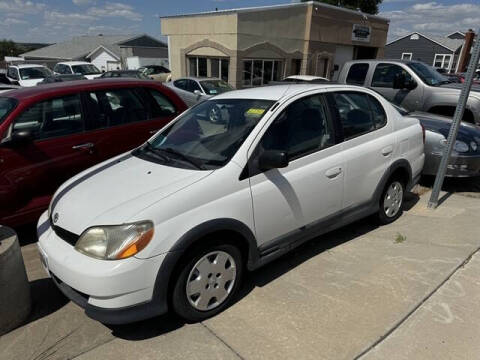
402,291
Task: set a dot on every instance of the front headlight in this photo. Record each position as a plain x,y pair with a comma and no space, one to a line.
116,241
461,147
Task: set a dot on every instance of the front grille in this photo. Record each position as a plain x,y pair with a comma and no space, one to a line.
66,235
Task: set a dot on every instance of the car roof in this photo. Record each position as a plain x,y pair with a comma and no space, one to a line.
78,85
22,66
306,77
74,63
278,92
197,78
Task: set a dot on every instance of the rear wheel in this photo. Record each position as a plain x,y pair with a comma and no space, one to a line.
391,202
207,282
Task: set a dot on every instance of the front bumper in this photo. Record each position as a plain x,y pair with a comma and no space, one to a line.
458,166
113,292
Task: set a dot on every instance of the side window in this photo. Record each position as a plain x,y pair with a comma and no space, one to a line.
193,85
302,128
385,74
115,107
12,73
52,118
357,74
67,69
181,84
378,112
164,105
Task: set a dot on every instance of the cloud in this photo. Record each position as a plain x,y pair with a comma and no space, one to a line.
53,18
115,10
432,18
12,21
83,2
21,7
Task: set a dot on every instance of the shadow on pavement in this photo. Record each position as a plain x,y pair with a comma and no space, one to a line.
160,325
27,234
454,185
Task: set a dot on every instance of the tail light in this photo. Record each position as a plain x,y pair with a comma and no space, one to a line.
423,133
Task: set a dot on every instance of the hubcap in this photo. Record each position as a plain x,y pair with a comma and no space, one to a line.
211,280
393,199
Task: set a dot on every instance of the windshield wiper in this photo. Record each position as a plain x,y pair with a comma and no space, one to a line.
156,152
183,157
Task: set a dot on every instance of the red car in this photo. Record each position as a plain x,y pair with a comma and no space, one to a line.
49,133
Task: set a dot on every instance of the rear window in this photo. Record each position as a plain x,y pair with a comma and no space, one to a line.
6,107
357,74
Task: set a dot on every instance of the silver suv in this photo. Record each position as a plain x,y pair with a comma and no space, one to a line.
411,84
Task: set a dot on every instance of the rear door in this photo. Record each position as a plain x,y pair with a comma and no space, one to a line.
61,148
123,118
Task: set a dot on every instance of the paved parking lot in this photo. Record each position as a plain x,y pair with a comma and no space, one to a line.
409,290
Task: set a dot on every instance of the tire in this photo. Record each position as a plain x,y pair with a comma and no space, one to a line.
391,202
217,284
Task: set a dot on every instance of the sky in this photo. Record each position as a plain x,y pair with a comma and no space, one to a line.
56,20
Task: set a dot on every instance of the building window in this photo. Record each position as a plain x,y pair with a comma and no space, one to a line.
260,72
406,56
211,67
442,61
296,66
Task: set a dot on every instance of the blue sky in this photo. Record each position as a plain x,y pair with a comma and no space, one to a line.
56,20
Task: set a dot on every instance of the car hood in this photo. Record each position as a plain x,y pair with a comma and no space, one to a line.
442,124
92,76
28,83
116,190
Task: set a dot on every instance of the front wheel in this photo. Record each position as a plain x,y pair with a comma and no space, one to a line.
207,282
391,202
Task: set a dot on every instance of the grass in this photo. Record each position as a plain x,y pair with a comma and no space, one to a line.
400,238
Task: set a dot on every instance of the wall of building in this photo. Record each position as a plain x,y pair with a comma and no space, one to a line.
422,49
101,58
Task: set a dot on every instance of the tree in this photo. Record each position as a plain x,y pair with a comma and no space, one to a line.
8,48
367,6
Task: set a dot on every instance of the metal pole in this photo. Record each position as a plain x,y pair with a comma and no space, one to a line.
452,136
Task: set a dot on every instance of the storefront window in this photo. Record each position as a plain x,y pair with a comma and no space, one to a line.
198,66
261,72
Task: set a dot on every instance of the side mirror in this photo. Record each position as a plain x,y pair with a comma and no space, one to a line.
197,92
21,137
273,159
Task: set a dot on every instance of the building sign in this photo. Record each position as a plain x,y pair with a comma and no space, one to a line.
361,33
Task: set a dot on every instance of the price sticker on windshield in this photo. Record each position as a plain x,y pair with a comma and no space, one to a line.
255,112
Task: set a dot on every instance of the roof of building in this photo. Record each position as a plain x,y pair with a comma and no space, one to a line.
274,7
450,44
80,46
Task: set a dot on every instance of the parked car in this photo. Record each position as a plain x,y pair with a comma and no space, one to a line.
61,78
177,221
27,74
51,132
453,78
412,85
195,89
461,78
305,79
156,72
84,68
465,158
125,74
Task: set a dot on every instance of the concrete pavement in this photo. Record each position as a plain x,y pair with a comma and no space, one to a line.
402,291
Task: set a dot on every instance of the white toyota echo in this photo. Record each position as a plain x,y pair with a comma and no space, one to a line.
175,223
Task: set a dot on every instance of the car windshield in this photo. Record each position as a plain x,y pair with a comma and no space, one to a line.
34,73
214,87
85,69
207,135
428,74
6,106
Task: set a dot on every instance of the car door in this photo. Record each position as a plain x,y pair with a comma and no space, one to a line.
310,188
383,82
368,143
123,118
58,149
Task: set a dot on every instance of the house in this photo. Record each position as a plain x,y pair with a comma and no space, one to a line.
253,46
107,52
438,51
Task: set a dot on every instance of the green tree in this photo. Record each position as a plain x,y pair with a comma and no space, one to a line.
367,6
8,48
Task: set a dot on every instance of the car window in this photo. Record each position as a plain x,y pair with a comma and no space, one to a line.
193,85
6,106
12,73
215,87
165,106
353,109
385,74
51,118
115,107
378,112
35,73
302,128
181,84
357,74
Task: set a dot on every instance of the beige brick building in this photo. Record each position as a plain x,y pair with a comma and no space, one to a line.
252,46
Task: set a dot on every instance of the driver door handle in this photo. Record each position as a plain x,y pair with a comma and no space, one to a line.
387,150
85,146
334,172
